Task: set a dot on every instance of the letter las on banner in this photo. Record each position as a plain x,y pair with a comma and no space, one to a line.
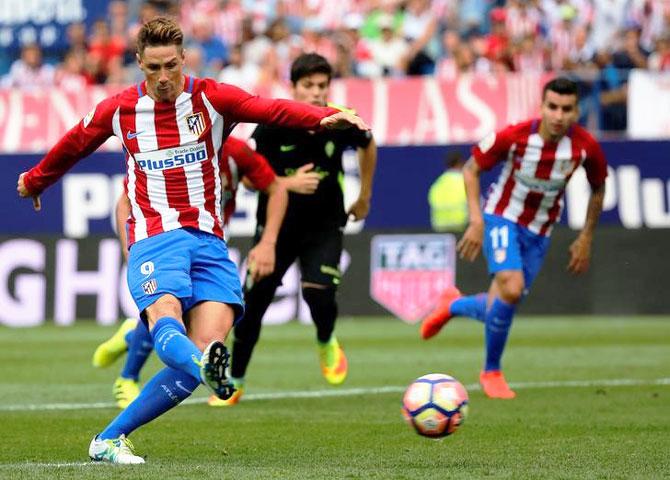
434,110
409,272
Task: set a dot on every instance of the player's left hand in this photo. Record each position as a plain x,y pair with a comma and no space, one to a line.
359,209
25,193
580,255
342,121
261,260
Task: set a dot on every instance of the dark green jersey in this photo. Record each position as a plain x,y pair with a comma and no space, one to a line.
288,149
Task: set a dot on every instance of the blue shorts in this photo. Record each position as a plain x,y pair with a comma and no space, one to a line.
508,246
193,266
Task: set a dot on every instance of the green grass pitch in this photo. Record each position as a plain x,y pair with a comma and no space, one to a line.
593,402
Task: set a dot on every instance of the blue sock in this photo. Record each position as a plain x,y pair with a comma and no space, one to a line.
498,323
139,348
174,348
164,391
473,306
129,335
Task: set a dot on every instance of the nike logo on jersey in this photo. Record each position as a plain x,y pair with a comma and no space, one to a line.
287,148
130,135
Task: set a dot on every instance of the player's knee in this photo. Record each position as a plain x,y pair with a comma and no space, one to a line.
510,286
166,306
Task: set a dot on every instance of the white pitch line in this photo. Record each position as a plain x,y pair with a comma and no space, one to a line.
348,392
48,465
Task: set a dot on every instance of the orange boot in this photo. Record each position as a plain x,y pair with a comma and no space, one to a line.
494,385
439,317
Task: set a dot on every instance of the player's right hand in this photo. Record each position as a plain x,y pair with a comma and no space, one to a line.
304,181
25,193
470,243
343,120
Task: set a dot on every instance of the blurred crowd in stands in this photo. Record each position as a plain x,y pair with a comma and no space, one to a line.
251,43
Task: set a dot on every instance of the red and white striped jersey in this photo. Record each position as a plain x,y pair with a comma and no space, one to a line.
530,187
238,160
172,149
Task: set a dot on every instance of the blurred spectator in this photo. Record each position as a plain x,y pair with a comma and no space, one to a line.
659,61
242,74
228,21
613,93
458,57
371,28
76,37
609,17
315,40
293,12
215,52
446,197
651,16
117,12
497,41
103,51
148,11
70,74
254,47
630,54
194,62
561,36
282,41
389,50
28,72
529,54
581,53
354,49
261,12
522,19
420,28
472,17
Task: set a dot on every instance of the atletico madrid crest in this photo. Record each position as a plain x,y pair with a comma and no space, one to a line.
196,123
150,286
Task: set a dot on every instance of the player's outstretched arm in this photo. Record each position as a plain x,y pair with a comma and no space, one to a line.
262,257
470,243
367,162
580,249
82,140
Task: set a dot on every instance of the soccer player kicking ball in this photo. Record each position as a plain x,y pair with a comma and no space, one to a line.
522,206
173,127
313,228
237,161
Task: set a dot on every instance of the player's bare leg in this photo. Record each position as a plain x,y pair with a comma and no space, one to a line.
209,325
505,292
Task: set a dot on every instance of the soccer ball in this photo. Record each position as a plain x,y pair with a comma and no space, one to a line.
435,405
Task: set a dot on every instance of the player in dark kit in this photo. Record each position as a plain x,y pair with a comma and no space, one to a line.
313,226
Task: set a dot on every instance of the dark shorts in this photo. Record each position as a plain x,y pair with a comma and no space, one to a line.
318,254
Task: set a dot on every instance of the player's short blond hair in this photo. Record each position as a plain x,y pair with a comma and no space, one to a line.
158,32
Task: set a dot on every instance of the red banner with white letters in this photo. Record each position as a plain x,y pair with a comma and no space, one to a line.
408,111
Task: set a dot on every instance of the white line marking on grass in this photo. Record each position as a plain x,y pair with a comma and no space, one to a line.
348,392
47,465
